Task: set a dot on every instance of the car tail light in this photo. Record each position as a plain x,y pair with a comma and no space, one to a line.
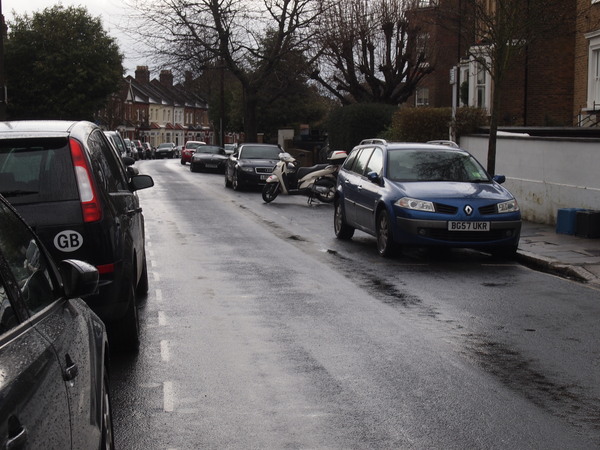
105,268
90,206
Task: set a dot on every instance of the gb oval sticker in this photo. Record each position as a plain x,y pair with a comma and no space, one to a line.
68,241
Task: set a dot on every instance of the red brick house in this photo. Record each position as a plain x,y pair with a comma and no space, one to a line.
586,106
538,91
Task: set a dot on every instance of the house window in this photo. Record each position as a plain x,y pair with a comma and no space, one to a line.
593,97
422,97
480,85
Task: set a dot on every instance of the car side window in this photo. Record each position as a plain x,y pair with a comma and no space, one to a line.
107,164
361,161
375,162
8,318
350,159
27,262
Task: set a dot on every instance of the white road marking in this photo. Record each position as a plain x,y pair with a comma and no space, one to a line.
165,352
159,296
156,276
168,396
162,318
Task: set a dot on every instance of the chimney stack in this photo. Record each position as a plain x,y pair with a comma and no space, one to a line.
166,78
142,74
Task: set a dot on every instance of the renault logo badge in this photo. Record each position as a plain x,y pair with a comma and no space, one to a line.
468,210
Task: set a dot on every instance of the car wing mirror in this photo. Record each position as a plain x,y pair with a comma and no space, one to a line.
80,279
499,179
132,171
373,177
128,160
141,182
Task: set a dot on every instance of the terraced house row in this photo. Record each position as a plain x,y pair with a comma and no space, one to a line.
158,110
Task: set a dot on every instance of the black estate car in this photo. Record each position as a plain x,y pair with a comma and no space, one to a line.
53,348
250,165
72,187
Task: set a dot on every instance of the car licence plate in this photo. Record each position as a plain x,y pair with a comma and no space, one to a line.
211,166
468,226
264,177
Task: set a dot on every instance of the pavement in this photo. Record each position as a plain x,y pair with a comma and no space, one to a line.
565,255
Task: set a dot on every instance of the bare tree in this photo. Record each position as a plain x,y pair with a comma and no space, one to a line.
370,51
250,39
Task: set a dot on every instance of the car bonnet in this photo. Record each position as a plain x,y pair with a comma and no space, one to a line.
425,190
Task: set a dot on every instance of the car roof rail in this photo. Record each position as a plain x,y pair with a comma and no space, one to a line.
373,141
444,142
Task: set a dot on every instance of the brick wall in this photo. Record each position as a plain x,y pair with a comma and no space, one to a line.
588,19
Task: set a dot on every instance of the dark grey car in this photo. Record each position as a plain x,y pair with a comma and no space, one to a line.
72,187
53,348
250,165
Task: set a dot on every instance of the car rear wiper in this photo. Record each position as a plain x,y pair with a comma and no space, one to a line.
18,193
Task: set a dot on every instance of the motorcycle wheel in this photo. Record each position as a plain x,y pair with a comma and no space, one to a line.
329,196
270,192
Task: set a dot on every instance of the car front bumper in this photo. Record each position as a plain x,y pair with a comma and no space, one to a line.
435,232
253,178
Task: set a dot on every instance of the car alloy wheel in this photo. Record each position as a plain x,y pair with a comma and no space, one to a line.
235,182
341,229
108,442
385,239
128,328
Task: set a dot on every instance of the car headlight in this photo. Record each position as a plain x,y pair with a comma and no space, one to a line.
247,169
413,203
508,207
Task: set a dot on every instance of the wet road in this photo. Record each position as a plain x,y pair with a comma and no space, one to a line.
261,330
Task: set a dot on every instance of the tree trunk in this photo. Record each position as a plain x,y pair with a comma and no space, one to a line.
491,157
250,107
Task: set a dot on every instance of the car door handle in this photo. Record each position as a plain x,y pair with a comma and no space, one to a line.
71,371
359,187
17,434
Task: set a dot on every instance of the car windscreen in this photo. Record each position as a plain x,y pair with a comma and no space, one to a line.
260,152
434,165
37,170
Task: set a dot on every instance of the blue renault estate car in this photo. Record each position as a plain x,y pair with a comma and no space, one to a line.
424,195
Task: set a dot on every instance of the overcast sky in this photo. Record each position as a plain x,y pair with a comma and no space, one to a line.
112,12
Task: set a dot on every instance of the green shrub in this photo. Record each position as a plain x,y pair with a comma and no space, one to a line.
428,124
468,119
420,124
348,125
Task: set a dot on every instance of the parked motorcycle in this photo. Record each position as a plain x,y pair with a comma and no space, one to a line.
315,181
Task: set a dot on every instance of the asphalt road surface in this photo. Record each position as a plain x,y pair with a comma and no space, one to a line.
262,330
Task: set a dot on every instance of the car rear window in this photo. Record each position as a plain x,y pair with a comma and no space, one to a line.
37,170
